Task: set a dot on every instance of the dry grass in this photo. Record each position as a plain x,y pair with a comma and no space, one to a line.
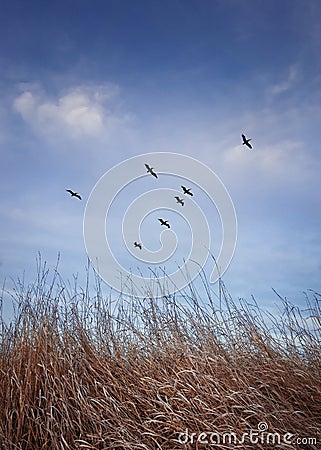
97,373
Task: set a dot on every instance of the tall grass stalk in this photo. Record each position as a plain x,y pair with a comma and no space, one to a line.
101,371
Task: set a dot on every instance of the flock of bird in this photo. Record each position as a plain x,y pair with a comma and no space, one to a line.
178,200
186,191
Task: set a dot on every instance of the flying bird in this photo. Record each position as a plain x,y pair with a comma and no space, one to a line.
179,200
187,190
151,170
138,244
73,194
246,141
164,222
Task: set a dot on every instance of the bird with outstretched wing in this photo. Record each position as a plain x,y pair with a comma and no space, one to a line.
164,222
179,200
73,194
151,170
246,141
187,190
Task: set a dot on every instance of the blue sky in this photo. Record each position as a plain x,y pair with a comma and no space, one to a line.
87,84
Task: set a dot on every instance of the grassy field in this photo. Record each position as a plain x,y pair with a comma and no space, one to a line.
84,371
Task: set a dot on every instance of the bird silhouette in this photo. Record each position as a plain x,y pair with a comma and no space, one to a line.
73,194
151,170
164,222
179,200
187,190
246,142
138,244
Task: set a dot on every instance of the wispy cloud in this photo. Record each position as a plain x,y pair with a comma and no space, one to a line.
288,82
271,161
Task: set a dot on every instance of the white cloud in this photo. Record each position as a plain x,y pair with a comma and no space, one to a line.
84,111
271,160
